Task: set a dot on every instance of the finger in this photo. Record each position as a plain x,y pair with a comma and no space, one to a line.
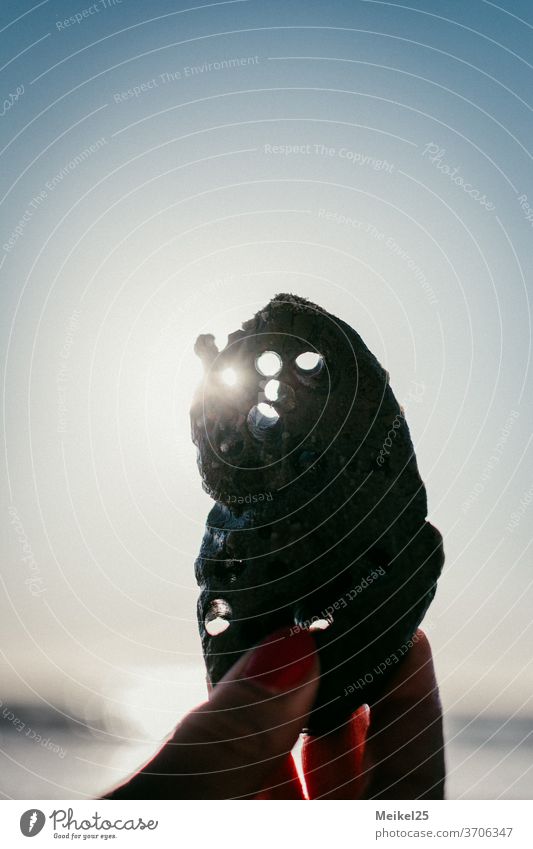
333,762
284,783
227,747
404,752
253,730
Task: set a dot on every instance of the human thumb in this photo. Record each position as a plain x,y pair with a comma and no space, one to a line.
252,719
228,746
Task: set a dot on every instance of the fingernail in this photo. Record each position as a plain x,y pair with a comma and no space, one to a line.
281,661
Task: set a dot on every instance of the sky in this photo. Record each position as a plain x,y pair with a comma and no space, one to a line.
167,169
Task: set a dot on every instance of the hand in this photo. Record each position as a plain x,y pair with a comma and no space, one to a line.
229,746
393,749
238,744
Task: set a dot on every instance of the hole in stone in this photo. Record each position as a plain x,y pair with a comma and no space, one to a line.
320,625
268,364
229,377
216,626
272,390
268,412
217,617
310,362
261,418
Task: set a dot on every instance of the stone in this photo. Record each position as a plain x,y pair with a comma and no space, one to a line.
343,540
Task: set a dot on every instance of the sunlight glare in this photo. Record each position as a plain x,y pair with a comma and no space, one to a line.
229,377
